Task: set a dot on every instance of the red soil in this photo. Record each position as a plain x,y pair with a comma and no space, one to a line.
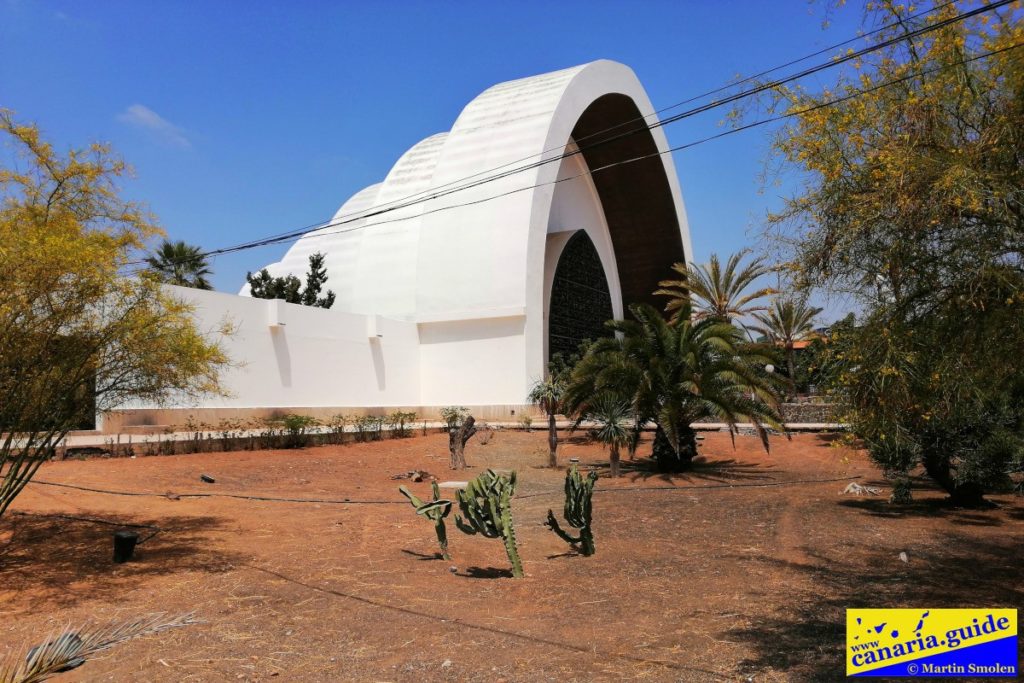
741,568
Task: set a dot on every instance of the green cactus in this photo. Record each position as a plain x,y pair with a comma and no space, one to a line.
486,503
577,510
435,510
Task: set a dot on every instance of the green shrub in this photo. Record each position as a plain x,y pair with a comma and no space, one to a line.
368,427
454,415
399,424
336,424
296,429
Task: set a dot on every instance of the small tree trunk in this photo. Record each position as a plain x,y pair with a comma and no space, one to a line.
457,438
614,459
552,441
634,439
962,494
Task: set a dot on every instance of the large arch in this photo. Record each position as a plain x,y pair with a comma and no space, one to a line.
473,268
641,200
580,299
636,196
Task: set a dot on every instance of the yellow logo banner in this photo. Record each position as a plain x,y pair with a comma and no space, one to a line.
931,642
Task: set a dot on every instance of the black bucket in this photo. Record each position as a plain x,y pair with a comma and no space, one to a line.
124,545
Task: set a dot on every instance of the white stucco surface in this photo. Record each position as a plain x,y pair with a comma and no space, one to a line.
458,285
291,355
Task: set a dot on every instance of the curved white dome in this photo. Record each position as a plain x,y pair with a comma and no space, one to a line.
481,252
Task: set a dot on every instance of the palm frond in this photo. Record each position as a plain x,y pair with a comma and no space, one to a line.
71,647
714,292
676,373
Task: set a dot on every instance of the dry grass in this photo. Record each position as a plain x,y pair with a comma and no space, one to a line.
743,567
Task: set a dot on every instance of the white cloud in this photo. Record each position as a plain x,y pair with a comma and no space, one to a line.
141,116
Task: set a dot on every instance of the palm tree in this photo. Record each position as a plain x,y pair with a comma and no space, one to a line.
675,373
613,427
786,322
548,394
178,263
715,292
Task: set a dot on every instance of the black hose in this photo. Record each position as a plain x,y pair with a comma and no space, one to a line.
174,496
696,487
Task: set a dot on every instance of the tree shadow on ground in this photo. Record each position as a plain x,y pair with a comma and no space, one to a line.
486,573
829,438
805,640
46,556
703,469
1017,512
935,508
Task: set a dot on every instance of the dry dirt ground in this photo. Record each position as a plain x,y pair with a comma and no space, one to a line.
740,570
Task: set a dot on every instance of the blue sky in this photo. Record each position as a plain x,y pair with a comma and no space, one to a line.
244,119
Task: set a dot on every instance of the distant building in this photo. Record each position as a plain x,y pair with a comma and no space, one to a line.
461,299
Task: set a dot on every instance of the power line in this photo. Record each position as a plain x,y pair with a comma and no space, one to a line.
376,211
644,117
358,215
731,131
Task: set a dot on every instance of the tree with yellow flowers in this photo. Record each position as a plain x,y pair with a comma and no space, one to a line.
911,200
79,332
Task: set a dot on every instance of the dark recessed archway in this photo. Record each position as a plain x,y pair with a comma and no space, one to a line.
636,197
581,301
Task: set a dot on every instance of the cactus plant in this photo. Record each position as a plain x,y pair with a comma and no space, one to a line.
435,510
486,504
577,510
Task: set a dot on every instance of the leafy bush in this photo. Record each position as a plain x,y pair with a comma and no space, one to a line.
368,427
229,430
454,415
296,428
399,424
336,424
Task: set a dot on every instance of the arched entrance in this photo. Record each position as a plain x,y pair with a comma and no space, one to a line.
581,300
636,197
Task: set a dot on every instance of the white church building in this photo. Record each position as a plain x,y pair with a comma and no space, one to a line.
546,209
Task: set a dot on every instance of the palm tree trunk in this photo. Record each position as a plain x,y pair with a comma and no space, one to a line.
791,365
552,441
614,458
675,457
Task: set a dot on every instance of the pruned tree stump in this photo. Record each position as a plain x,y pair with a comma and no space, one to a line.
457,438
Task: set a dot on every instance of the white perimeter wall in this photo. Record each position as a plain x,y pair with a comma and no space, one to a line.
473,362
328,358
316,358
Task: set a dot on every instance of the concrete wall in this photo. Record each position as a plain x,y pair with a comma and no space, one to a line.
288,355
291,358
159,420
477,361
